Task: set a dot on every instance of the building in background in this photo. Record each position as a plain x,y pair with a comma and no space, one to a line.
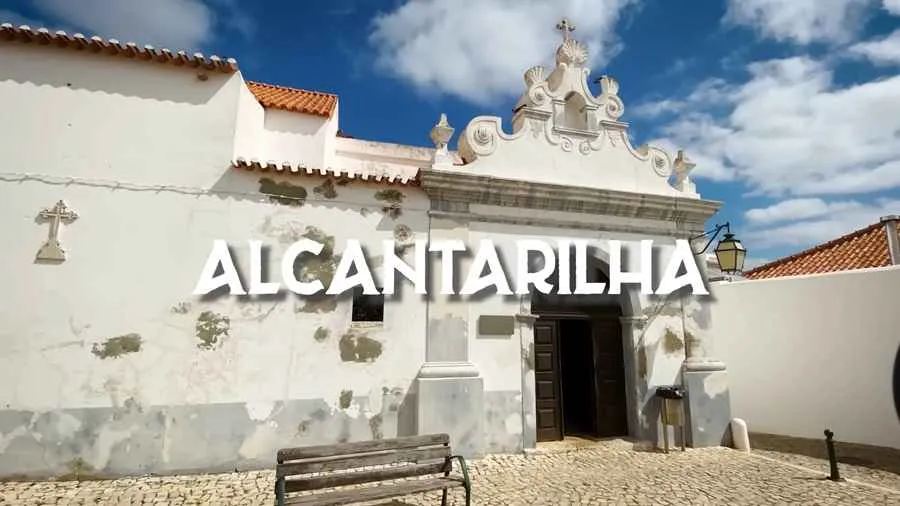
877,245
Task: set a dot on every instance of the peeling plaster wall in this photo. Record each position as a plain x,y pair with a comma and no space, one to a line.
109,366
503,360
807,353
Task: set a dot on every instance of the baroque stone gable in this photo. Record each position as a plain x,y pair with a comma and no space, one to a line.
564,134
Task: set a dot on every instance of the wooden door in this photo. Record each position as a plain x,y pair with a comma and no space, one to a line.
546,381
609,360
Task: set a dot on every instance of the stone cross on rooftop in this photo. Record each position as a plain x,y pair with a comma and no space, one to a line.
566,28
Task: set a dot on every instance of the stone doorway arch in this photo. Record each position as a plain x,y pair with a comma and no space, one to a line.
630,324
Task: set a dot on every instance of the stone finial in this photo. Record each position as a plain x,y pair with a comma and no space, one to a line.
570,52
682,168
566,28
441,134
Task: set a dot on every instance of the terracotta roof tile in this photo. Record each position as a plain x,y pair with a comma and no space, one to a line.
302,170
293,99
863,249
79,42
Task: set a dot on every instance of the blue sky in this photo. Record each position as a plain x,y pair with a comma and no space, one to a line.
790,108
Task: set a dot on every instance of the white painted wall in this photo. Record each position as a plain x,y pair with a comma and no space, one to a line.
813,352
142,152
133,258
73,114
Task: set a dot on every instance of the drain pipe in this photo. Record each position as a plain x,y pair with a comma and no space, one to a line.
891,224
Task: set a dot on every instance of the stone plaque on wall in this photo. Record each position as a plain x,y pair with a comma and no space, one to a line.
496,325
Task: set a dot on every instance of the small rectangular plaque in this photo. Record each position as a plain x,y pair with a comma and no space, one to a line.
496,325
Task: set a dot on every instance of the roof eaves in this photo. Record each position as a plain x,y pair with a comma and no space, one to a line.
288,168
113,47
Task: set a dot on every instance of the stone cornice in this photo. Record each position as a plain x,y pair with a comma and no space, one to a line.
475,189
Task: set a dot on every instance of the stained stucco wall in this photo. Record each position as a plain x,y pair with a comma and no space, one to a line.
108,364
814,352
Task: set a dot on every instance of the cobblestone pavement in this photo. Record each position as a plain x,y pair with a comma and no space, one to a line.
612,472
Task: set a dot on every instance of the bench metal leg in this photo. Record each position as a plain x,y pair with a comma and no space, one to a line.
279,492
444,498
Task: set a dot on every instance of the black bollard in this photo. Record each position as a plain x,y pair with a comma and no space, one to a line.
832,458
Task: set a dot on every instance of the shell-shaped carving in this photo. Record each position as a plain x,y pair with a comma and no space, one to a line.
482,136
660,162
534,75
572,52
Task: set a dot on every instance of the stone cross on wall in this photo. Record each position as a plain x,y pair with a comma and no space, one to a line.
566,28
60,213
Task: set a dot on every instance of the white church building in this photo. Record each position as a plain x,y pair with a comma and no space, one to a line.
123,164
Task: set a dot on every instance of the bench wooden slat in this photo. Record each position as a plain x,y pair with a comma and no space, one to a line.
375,493
357,478
287,454
338,463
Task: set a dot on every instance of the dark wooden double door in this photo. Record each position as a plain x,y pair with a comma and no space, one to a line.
579,377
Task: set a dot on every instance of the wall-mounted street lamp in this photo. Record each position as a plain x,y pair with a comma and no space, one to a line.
730,253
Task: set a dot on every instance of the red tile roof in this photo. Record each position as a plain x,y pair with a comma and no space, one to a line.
293,99
113,47
302,170
862,249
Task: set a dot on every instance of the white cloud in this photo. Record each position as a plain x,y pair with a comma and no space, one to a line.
794,209
892,6
178,24
789,131
478,50
811,221
881,51
175,24
800,21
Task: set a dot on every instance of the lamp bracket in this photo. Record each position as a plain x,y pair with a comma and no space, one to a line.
712,234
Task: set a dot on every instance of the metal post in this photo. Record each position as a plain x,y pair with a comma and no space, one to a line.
832,458
665,425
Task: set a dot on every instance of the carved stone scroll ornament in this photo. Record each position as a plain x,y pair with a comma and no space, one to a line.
481,137
609,96
52,250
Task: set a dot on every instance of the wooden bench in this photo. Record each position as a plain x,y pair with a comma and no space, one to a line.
414,464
